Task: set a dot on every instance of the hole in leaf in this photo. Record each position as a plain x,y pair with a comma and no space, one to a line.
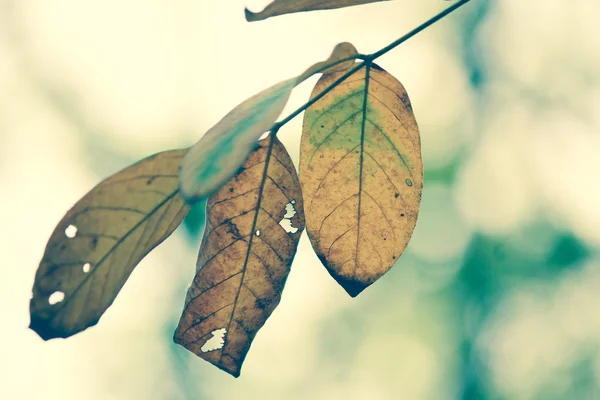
396,195
258,232
286,222
402,215
216,342
55,298
86,267
409,182
71,231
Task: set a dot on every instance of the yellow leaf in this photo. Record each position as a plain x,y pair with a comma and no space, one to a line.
361,174
224,148
253,226
98,243
280,7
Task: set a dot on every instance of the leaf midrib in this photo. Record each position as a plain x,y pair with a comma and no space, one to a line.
248,251
360,164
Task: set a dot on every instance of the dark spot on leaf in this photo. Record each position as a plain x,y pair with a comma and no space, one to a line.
402,215
406,101
230,190
94,242
149,181
260,304
396,195
233,230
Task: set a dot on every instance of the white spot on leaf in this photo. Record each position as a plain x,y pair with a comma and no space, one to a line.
216,342
55,298
86,267
71,231
286,222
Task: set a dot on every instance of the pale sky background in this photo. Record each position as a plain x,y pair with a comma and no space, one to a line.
507,97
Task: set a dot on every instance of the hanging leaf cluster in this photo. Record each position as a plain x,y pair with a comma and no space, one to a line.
357,192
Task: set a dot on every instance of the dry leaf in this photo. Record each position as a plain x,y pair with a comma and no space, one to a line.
224,148
280,7
361,174
253,227
97,244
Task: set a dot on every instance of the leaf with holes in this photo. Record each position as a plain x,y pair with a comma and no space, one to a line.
98,243
280,7
361,174
225,147
253,225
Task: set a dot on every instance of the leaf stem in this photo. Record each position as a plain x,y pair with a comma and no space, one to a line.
333,64
367,60
312,101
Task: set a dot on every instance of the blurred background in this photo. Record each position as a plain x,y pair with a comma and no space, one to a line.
497,295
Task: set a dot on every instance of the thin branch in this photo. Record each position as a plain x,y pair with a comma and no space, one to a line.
367,60
418,29
312,101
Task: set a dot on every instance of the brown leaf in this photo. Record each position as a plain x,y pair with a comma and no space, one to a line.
98,243
280,7
361,174
253,227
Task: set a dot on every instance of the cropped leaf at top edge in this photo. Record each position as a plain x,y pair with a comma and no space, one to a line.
253,225
98,243
216,157
281,7
362,175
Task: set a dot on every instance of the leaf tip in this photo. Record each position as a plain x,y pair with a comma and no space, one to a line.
251,16
351,286
235,374
44,330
